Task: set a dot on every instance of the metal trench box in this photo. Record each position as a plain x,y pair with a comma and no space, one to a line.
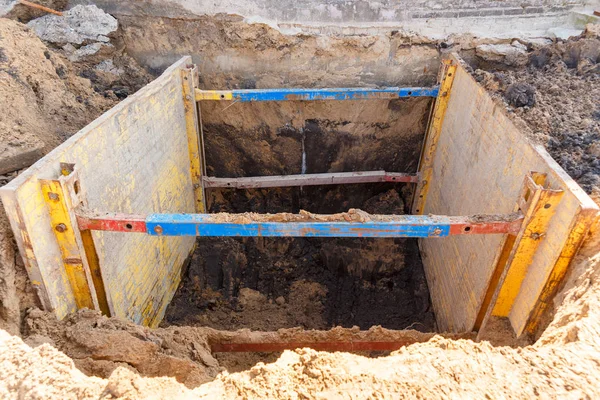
107,219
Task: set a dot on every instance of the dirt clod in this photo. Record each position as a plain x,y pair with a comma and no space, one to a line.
520,95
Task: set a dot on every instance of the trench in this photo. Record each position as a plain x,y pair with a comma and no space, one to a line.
313,283
266,284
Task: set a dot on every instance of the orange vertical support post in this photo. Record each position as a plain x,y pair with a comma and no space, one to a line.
432,136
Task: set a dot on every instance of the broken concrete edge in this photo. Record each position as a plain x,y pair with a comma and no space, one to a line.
486,20
77,25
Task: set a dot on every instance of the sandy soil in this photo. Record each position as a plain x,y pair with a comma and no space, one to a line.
563,363
51,98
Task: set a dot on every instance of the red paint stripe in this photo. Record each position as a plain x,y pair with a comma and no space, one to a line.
114,223
320,346
483,228
407,178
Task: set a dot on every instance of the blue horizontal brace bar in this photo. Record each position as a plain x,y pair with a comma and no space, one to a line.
316,94
205,225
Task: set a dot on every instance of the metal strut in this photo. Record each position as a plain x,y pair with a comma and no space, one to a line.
331,178
301,225
315,94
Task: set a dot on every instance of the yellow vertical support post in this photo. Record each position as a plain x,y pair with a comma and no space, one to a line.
540,209
432,136
63,229
188,79
538,205
94,264
579,229
73,199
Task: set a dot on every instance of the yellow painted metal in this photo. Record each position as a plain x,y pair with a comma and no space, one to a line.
213,95
541,204
530,184
579,231
65,237
509,244
193,136
95,270
71,190
447,73
140,273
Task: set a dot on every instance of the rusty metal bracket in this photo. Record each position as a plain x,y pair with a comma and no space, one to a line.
331,178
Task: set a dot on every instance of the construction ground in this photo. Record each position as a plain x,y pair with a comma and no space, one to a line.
493,106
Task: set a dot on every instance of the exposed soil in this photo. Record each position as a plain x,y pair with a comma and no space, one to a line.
563,363
98,345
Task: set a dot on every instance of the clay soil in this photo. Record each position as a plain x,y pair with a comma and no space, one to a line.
122,360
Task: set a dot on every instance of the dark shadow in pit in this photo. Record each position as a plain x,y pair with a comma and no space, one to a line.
314,283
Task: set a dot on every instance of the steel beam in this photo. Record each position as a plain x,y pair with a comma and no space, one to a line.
188,79
387,93
537,205
112,222
334,178
293,225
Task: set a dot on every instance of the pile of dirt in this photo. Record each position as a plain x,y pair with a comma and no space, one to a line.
99,345
51,98
557,95
49,102
563,363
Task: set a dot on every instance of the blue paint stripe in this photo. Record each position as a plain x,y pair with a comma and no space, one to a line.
332,94
200,225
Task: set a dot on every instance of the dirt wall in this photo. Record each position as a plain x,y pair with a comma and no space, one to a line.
232,53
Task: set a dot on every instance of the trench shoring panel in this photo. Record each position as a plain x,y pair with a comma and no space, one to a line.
134,158
478,168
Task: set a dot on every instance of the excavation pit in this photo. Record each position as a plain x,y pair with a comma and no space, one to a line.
483,226
314,283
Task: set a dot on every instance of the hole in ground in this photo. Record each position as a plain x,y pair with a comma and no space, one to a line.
314,283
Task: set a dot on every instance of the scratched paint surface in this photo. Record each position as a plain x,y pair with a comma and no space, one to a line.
316,94
479,168
200,225
134,158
